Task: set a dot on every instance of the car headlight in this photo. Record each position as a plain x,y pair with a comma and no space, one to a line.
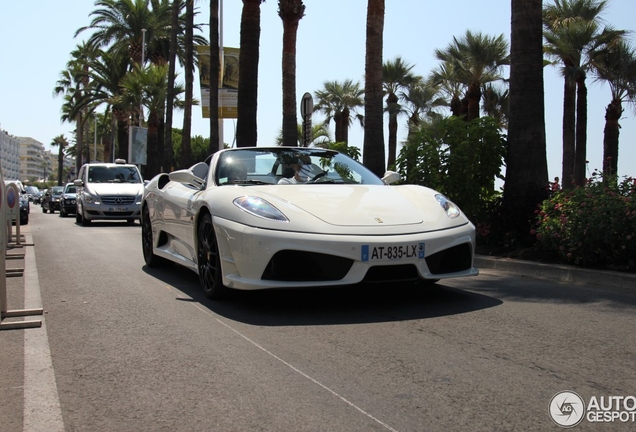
91,199
452,211
260,208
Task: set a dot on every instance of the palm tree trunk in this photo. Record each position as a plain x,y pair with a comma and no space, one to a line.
246,126
186,151
290,119
527,167
174,29
79,136
392,101
344,125
373,151
152,160
580,156
473,97
214,76
611,132
569,125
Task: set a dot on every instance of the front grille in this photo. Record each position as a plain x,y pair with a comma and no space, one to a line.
120,214
451,260
299,266
118,199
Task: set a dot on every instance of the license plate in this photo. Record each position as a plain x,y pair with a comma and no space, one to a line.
118,209
407,251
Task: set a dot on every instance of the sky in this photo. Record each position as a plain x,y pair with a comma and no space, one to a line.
36,39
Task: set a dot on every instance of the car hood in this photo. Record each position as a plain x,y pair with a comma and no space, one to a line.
115,188
355,205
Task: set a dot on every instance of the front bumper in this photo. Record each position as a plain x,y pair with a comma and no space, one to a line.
108,212
251,258
69,205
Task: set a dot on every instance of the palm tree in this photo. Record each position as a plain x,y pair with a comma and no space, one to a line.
396,76
617,67
526,163
172,60
445,80
496,104
421,98
476,60
290,12
122,24
320,136
106,72
148,86
373,149
189,82
247,103
340,101
572,34
214,76
61,142
72,84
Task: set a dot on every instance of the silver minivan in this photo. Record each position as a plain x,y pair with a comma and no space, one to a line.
108,191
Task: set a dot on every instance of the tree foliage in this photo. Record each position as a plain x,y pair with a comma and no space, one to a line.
460,159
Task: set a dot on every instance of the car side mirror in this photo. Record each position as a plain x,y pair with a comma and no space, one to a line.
186,176
78,182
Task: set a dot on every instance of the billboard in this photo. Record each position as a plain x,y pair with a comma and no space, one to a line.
138,145
228,81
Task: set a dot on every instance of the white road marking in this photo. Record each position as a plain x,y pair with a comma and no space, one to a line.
295,369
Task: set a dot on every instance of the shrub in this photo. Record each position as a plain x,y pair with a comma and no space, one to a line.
459,159
592,225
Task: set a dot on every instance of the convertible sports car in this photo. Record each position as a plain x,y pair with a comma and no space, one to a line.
280,217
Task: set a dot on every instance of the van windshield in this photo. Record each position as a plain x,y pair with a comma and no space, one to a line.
113,174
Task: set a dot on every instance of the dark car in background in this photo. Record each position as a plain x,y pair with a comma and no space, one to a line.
33,194
51,199
67,200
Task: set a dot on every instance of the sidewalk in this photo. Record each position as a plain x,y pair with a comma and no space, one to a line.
562,273
28,393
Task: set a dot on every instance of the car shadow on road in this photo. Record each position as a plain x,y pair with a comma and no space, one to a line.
353,304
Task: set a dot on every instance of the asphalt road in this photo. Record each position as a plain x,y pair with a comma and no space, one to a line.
138,349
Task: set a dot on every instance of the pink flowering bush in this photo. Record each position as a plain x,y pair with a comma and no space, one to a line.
591,226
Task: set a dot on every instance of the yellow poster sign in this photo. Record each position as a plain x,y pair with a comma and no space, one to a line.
228,81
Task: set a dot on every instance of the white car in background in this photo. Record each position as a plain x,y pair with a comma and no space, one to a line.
108,191
232,221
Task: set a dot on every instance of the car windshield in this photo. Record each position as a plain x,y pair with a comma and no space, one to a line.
70,189
57,190
32,189
290,165
113,174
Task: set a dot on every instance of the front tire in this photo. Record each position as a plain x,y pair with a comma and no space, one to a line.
209,260
150,258
85,222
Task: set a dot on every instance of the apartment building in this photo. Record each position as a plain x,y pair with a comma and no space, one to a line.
9,156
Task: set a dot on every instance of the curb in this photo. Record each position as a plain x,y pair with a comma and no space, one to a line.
561,273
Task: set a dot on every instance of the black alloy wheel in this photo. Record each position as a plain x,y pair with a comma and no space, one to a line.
150,258
209,261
